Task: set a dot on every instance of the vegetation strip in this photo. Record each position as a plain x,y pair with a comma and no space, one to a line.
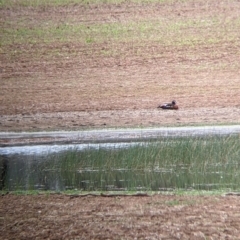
232,194
110,195
187,163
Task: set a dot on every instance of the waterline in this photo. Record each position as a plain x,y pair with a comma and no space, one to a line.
119,135
58,148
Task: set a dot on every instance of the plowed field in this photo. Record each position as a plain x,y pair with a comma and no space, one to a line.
76,65
154,217
89,64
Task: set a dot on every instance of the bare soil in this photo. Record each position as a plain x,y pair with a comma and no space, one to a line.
68,84
154,217
71,85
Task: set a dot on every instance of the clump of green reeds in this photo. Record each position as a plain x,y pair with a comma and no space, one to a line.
202,163
188,163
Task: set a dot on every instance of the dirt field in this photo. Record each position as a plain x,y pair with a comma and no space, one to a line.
78,66
72,66
154,217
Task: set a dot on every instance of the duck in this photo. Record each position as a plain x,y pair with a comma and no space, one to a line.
171,106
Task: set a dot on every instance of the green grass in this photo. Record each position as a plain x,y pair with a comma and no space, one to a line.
167,33
177,192
24,36
207,163
42,38
117,39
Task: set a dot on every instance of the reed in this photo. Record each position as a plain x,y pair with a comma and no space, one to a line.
182,163
200,163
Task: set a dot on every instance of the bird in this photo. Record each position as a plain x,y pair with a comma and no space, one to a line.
171,106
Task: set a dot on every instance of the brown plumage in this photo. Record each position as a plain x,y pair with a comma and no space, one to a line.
170,106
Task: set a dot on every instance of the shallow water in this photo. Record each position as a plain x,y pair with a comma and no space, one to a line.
39,167
42,150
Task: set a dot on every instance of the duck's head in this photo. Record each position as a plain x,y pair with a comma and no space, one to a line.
173,102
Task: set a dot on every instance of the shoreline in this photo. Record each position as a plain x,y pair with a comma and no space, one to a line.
111,135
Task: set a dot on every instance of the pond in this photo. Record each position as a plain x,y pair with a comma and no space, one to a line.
37,167
163,163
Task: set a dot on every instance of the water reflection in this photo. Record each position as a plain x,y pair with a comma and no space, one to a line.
39,167
57,148
3,171
186,163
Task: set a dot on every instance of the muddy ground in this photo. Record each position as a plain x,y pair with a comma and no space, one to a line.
155,217
55,76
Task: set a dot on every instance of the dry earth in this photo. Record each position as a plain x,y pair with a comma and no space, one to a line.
189,51
154,217
82,80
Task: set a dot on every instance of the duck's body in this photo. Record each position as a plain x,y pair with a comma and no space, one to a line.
171,106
